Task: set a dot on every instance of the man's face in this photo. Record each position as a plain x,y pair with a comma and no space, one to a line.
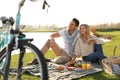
72,26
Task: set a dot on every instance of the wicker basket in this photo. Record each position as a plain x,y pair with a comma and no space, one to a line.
111,65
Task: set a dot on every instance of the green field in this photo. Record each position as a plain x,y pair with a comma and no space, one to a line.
108,51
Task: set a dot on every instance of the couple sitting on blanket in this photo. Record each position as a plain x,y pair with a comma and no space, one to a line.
77,43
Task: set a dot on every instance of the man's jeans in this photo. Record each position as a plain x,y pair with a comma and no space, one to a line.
96,56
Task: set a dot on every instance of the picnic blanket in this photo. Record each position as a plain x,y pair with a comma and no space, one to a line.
65,74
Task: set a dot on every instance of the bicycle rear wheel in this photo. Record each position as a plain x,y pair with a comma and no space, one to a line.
20,70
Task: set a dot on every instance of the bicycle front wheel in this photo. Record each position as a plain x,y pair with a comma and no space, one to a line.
22,70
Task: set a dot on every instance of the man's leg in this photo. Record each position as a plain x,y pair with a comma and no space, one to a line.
51,43
57,50
63,58
46,47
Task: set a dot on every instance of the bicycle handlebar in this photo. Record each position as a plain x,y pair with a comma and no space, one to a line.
18,16
5,19
45,3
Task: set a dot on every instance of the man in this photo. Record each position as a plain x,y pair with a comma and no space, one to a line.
70,37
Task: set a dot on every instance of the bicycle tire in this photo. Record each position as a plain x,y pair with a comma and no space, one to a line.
41,63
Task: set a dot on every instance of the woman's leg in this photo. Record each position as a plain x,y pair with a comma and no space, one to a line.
98,48
91,58
94,57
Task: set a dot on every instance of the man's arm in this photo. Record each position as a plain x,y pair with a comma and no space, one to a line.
54,35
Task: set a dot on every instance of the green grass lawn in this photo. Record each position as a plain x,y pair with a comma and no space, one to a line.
108,51
108,47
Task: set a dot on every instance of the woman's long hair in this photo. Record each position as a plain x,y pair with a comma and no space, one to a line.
87,32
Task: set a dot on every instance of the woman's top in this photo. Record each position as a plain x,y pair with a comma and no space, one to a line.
83,49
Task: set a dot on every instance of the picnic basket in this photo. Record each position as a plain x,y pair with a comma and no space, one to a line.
111,65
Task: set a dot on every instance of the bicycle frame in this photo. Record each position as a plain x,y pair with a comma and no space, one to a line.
9,34
13,39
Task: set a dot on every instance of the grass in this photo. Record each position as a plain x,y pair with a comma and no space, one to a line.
108,47
27,58
108,51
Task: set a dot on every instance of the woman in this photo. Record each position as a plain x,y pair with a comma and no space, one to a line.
88,46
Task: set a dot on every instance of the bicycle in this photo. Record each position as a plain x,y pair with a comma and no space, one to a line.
14,39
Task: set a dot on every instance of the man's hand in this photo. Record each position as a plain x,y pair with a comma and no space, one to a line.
90,40
70,63
52,36
55,35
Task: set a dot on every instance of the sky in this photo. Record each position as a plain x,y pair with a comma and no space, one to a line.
61,12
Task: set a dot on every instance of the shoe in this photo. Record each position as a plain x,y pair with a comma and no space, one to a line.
36,62
33,62
47,60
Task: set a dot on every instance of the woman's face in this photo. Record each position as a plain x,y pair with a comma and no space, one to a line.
83,30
